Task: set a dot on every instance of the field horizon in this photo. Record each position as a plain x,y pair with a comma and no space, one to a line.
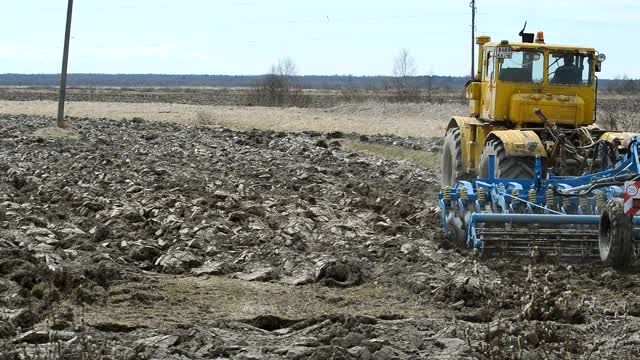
235,80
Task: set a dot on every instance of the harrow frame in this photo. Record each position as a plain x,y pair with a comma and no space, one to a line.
554,201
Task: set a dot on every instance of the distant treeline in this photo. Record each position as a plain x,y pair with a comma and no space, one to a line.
624,85
308,81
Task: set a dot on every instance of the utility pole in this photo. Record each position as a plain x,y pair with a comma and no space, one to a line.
65,61
473,37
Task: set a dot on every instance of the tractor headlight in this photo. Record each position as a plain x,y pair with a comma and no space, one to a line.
601,57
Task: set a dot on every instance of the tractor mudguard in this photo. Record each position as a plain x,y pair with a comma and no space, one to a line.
462,121
623,137
519,142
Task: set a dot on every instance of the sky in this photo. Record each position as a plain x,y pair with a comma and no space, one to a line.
324,37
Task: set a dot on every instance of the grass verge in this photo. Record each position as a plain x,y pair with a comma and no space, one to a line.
422,158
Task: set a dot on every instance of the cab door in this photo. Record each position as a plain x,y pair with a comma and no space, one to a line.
489,75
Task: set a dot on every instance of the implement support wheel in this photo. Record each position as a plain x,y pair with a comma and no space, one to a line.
616,230
457,230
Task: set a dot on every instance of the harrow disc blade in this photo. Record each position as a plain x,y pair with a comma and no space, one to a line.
565,243
567,238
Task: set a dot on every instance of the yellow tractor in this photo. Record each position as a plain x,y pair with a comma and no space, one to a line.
527,172
529,99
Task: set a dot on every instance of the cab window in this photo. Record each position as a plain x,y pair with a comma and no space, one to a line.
488,66
569,68
523,66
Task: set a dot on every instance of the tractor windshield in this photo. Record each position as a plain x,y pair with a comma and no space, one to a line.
570,68
523,66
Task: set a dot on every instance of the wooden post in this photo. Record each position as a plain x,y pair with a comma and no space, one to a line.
473,37
65,61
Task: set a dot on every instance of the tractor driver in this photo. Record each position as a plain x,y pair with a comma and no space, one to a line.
568,73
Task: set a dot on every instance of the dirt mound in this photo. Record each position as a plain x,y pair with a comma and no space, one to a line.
56,132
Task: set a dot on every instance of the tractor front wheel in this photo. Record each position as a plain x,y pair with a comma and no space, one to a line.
452,166
505,167
616,230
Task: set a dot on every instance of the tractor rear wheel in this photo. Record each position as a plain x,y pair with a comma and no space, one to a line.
506,167
616,230
452,166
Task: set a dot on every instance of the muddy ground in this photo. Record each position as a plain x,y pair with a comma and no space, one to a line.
136,240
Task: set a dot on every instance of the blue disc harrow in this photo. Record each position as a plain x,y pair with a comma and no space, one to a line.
550,216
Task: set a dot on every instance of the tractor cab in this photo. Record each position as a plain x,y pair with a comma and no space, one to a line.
515,78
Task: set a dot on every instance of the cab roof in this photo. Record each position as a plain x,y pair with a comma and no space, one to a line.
543,46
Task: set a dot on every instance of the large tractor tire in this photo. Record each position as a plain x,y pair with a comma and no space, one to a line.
452,166
616,231
506,167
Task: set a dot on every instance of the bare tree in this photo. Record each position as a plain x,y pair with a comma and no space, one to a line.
404,65
404,72
285,67
430,84
280,87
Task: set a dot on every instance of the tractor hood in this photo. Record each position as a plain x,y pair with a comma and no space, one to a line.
560,109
